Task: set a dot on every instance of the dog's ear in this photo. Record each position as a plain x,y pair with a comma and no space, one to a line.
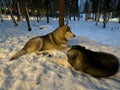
66,26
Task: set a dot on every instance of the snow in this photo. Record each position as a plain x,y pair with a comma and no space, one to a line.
39,72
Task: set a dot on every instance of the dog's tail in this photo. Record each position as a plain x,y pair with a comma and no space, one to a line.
18,54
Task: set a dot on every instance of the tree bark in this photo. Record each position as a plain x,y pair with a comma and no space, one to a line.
4,6
98,14
119,20
1,15
3,2
69,14
106,16
47,16
12,16
27,16
61,13
38,15
19,12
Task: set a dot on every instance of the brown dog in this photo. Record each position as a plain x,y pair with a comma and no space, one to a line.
57,39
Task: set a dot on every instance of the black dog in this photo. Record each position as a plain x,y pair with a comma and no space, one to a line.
98,64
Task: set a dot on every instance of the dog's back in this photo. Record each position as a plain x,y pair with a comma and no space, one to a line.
98,64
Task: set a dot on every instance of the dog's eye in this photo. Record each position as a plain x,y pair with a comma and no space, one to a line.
68,29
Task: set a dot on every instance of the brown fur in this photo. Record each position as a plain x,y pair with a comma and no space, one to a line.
55,40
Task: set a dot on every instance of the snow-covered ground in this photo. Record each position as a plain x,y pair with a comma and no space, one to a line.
39,72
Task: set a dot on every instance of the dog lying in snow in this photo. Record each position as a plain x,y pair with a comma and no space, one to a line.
98,64
57,39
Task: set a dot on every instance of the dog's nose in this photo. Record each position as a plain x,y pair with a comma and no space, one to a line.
74,35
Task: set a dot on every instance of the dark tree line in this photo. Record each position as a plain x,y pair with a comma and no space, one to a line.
102,7
61,9
40,8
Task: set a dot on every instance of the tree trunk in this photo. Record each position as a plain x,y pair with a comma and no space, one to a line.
104,21
98,14
119,20
19,17
47,16
61,13
1,15
74,18
12,16
27,16
69,14
38,15
78,14
96,18
87,16
4,6
106,16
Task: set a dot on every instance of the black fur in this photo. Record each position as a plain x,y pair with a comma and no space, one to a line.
98,64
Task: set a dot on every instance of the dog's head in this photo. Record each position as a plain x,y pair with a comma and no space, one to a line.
68,33
78,47
76,57
63,34
73,52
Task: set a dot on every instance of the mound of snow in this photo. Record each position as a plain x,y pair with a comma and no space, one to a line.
39,72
